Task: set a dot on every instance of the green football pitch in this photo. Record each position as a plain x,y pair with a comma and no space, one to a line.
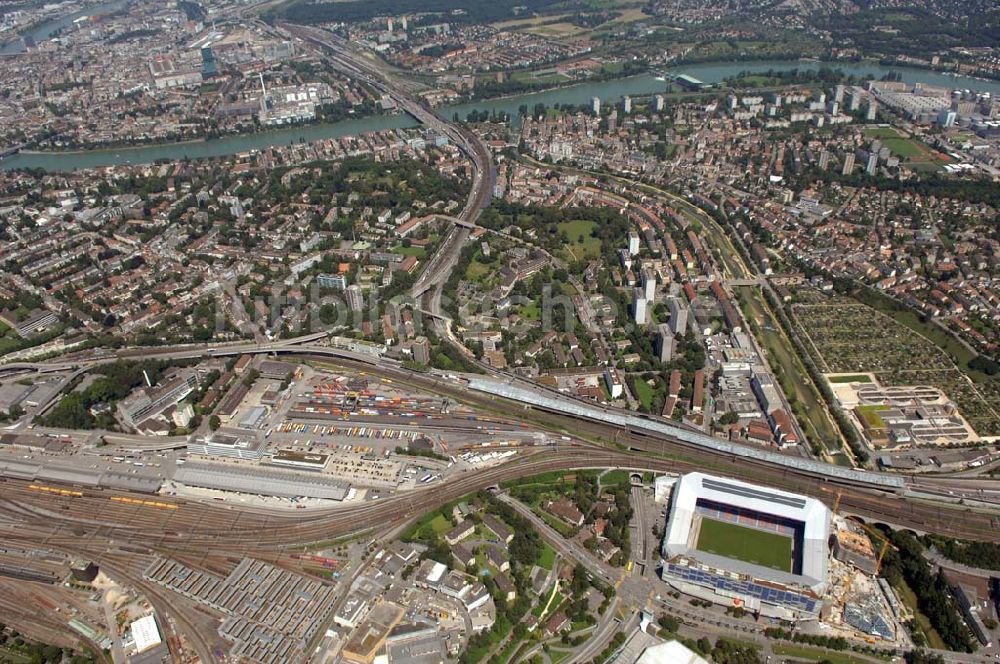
747,544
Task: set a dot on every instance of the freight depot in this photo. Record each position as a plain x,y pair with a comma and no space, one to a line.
345,397
351,432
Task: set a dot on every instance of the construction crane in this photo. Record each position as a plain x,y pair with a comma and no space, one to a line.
878,568
836,501
873,533
881,554
847,592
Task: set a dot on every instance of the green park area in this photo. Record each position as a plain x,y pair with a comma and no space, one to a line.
417,252
582,244
550,76
644,392
797,653
747,544
547,558
9,341
913,152
881,132
850,378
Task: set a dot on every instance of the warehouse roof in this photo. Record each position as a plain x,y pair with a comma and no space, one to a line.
260,482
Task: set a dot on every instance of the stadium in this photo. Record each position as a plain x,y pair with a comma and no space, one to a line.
738,544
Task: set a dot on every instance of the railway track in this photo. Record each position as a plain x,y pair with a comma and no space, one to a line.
195,526
123,535
212,538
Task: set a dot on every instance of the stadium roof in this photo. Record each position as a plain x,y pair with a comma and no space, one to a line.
812,513
671,652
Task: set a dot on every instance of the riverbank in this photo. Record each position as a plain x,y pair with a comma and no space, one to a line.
577,94
43,29
121,147
140,145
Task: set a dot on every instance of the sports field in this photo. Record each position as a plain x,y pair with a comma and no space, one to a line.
916,153
747,544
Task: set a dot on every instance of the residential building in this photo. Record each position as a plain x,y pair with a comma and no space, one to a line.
640,306
665,342
678,315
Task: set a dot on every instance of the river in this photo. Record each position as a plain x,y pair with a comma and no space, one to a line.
609,91
46,29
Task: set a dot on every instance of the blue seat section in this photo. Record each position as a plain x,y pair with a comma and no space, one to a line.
786,598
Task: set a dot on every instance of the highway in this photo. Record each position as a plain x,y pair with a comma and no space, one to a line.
430,284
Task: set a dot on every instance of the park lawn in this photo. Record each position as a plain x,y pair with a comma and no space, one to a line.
756,80
440,525
904,148
547,557
925,166
431,524
417,252
616,477
919,155
550,75
556,480
550,602
881,132
530,311
815,654
841,459
476,271
556,656
644,392
556,30
581,244
9,342
556,524
849,378
519,23
523,76
747,544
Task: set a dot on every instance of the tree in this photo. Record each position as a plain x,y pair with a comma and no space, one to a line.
729,418
214,422
669,623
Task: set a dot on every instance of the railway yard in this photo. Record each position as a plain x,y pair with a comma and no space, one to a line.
301,395
343,457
